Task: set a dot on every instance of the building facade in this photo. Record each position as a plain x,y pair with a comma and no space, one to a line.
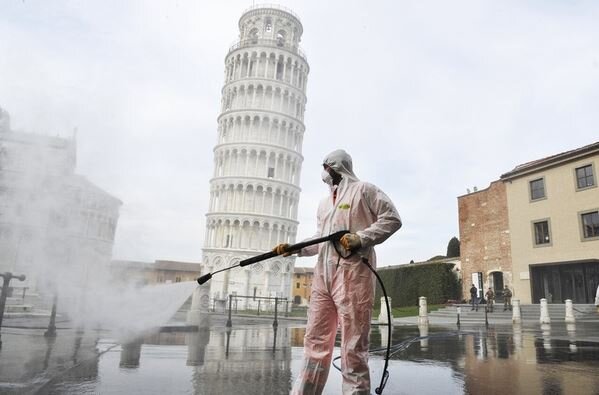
538,225
485,240
255,191
554,224
150,273
55,225
302,285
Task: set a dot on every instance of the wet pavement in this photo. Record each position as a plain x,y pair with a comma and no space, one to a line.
253,358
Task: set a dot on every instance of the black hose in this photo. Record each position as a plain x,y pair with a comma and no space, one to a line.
385,376
396,348
334,238
404,345
584,312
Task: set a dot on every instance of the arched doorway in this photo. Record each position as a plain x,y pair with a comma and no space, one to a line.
497,280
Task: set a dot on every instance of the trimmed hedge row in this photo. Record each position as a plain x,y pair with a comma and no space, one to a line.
405,284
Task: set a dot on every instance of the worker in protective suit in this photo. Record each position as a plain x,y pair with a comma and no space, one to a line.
343,288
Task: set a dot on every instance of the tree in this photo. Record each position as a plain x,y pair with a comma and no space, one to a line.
453,248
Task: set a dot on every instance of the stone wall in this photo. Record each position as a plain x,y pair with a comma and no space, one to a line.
484,235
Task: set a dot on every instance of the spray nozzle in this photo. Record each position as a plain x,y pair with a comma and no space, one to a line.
204,278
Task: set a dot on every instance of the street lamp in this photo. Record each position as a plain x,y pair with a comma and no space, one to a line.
51,331
7,277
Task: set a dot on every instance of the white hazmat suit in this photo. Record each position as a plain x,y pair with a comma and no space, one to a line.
343,289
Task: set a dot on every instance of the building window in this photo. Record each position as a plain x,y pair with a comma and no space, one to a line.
590,224
297,285
281,37
537,189
541,229
254,35
271,172
584,177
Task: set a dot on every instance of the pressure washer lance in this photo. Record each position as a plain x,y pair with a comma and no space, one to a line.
333,238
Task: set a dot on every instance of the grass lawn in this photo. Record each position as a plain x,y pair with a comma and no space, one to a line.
409,311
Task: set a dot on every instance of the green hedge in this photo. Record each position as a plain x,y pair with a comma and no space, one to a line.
405,284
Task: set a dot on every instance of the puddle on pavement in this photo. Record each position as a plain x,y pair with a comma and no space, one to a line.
258,360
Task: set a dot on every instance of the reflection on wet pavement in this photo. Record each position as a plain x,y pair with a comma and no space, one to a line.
260,360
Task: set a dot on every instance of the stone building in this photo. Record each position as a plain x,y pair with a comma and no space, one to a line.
54,224
301,287
536,229
554,224
485,240
255,190
157,272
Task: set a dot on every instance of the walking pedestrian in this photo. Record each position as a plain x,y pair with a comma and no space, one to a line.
474,297
507,299
490,298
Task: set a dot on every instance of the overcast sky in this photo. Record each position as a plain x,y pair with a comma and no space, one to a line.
429,97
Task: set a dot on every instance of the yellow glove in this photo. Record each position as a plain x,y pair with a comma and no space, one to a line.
282,249
351,241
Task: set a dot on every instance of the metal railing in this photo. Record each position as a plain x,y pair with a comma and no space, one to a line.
255,305
273,6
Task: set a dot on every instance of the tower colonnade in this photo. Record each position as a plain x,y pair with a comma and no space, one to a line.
263,96
272,65
247,233
249,127
270,163
247,196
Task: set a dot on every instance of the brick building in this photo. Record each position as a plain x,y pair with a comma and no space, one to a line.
485,239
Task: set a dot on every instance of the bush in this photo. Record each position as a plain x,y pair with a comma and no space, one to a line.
453,248
405,284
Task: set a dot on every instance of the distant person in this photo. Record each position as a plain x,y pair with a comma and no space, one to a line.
490,295
474,297
507,299
597,297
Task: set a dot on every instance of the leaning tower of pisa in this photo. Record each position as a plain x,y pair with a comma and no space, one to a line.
255,190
